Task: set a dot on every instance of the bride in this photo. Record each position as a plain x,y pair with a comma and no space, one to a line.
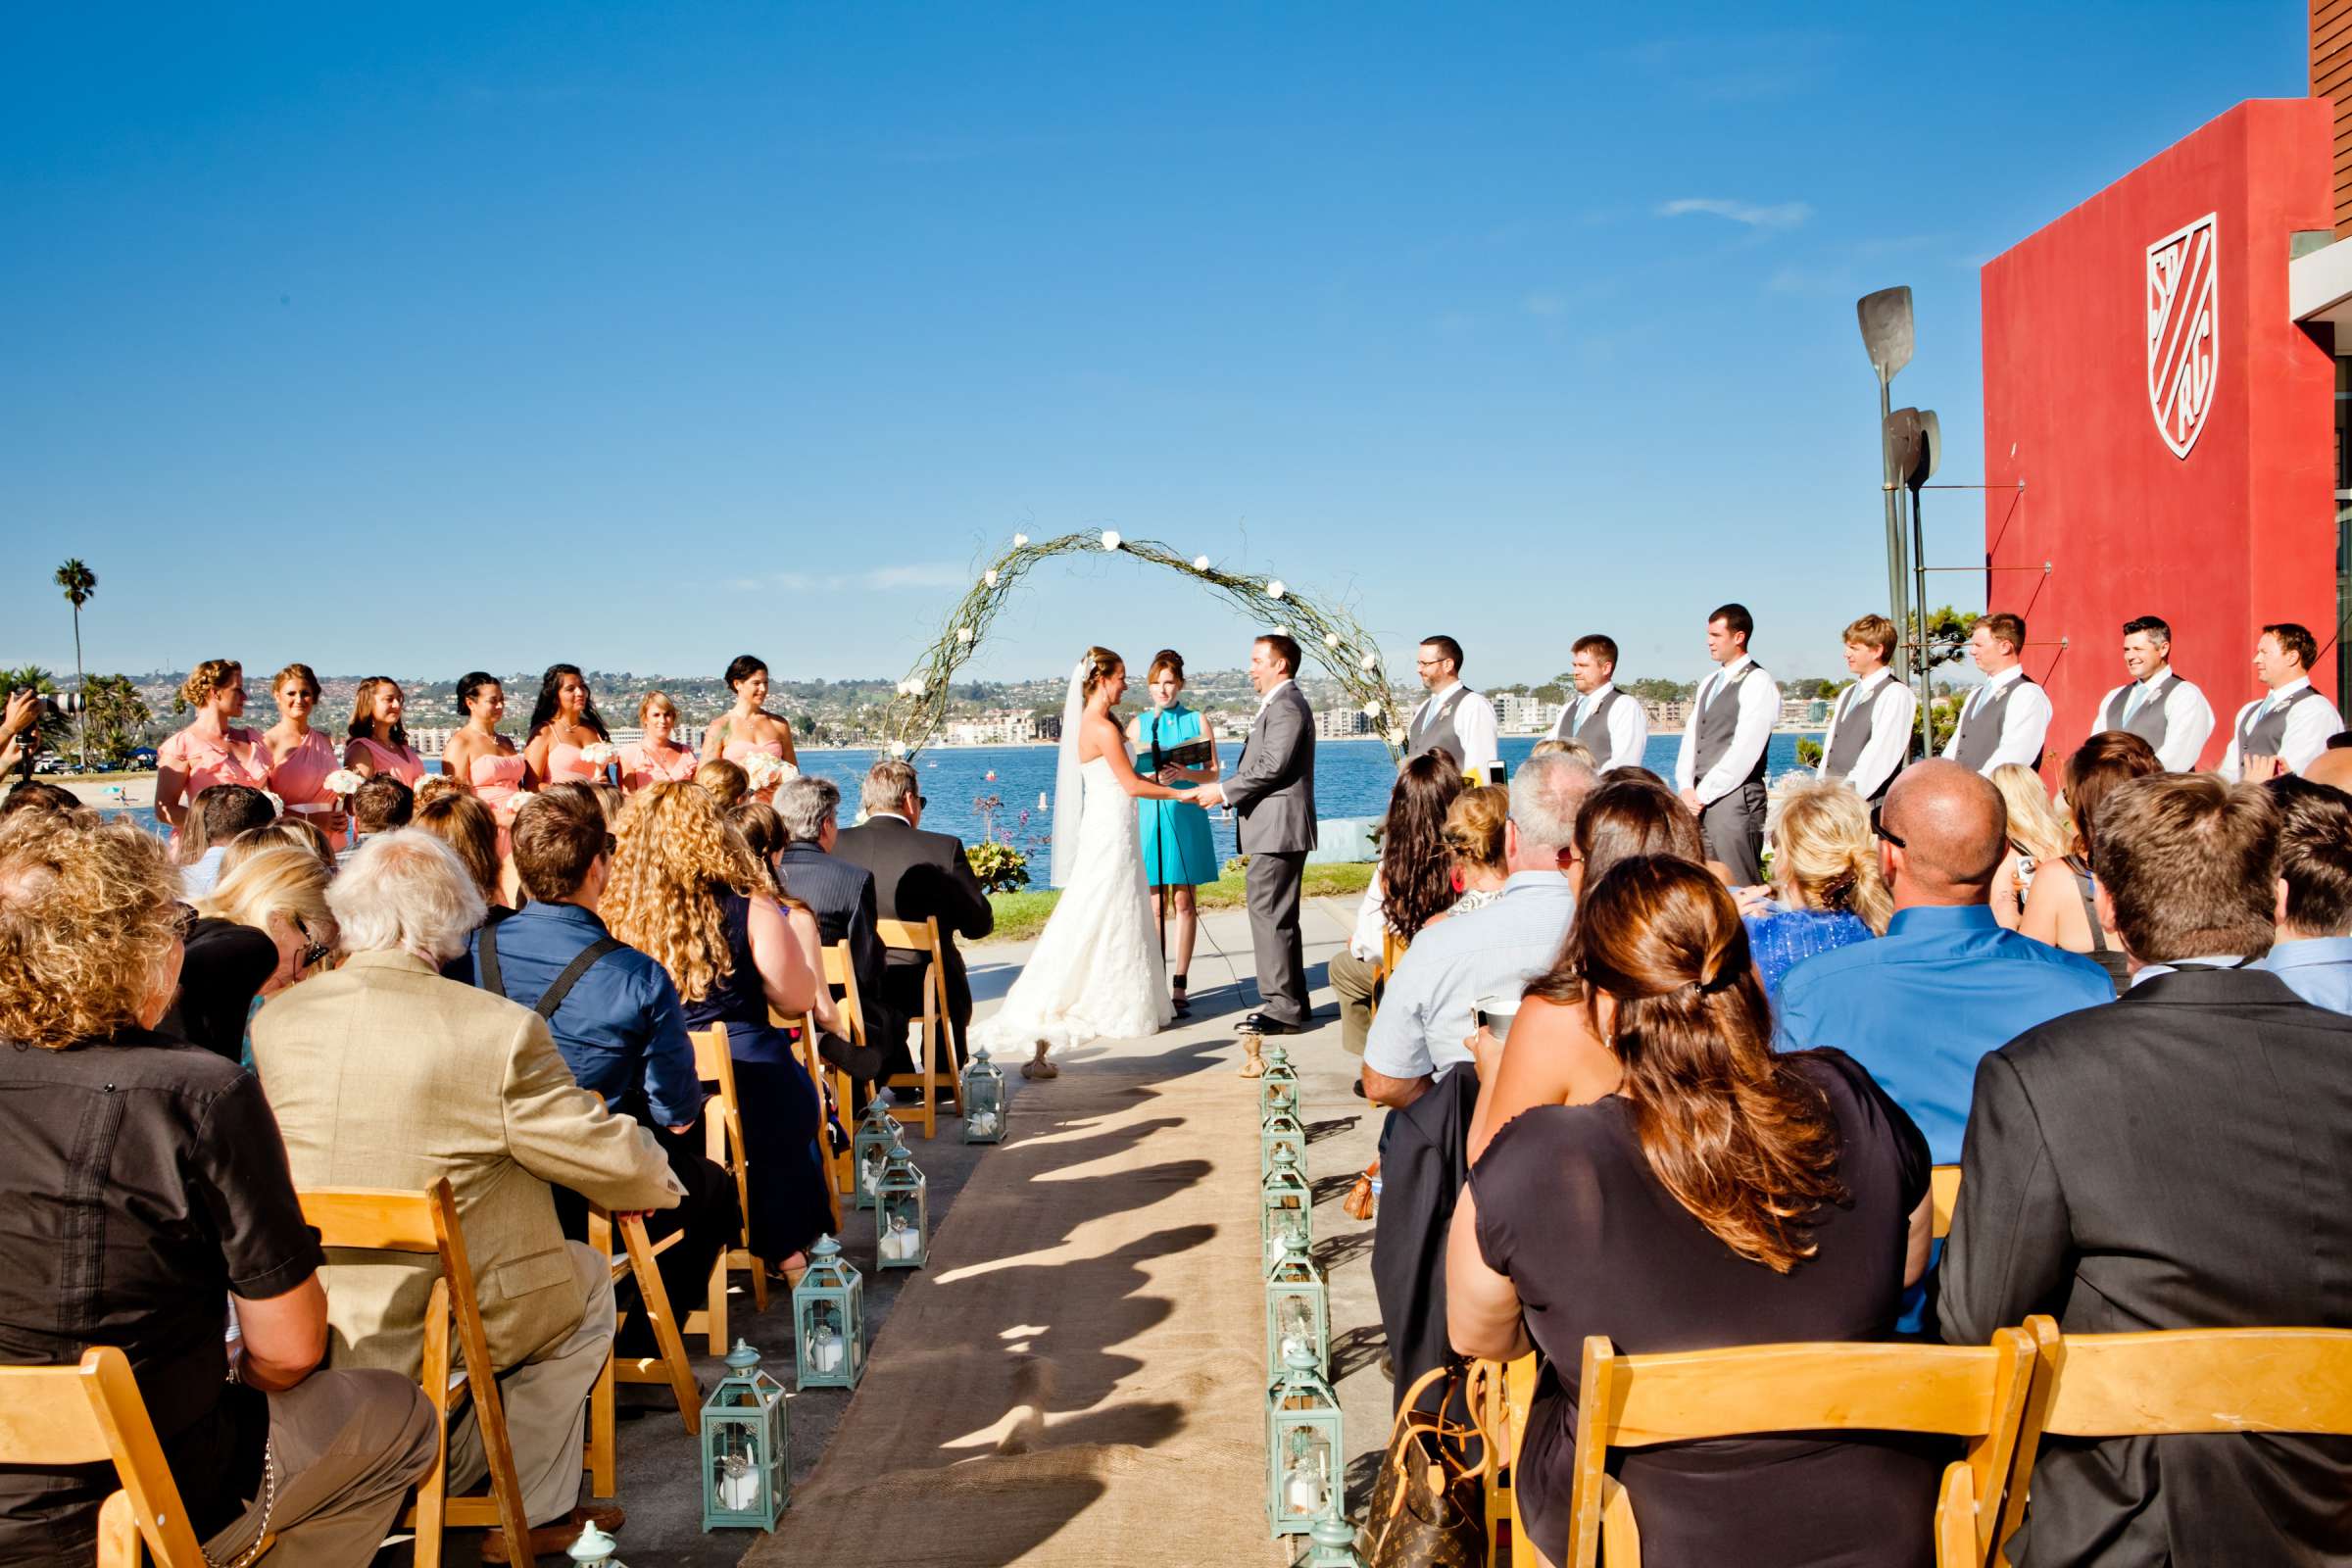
1096,971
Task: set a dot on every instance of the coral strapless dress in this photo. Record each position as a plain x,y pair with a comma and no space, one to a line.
403,764
738,751
566,765
642,766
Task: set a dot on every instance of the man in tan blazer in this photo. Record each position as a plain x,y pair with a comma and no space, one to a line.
384,1074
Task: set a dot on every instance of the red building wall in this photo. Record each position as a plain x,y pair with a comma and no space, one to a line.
2240,531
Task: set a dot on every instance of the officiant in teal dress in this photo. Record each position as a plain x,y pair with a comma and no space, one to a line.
1179,850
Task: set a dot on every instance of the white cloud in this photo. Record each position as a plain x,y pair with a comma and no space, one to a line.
929,574
1782,214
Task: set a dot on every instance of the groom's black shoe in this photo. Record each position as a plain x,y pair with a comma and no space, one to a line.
1262,1023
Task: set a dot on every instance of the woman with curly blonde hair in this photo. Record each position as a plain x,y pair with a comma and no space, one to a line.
687,890
1827,890
211,749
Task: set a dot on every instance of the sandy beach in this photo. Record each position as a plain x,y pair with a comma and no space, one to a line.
136,790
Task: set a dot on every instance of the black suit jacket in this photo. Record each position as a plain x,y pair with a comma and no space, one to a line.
2182,1159
840,895
919,874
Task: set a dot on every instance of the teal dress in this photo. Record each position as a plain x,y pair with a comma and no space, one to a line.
1178,850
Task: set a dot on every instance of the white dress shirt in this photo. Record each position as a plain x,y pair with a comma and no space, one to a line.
1629,726
1891,716
2025,723
2187,719
1267,695
1371,921
1759,709
1474,721
2308,726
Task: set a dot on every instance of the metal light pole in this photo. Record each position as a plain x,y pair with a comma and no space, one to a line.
1885,318
1913,445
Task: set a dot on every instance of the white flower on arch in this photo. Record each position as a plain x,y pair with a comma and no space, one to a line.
1275,589
1110,538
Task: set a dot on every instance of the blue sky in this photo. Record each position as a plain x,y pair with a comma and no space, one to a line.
433,337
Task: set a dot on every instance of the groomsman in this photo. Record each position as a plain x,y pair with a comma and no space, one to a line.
1720,770
1453,716
2281,732
2156,704
2007,718
1606,721
1871,727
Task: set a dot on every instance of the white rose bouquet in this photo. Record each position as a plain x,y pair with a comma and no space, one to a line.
343,781
765,772
598,752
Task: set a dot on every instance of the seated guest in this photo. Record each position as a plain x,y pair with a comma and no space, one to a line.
212,818
1701,1189
470,830
264,925
1414,1058
2313,953
618,1024
687,890
727,782
286,833
917,875
2063,913
2176,1160
2038,837
1824,880
384,1074
168,1165
1414,864
841,896
379,805
1474,843
33,794
1924,1002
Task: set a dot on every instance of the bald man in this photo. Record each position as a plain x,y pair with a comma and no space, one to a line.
2331,768
1946,984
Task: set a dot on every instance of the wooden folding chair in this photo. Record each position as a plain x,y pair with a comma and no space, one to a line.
812,1062
1391,950
92,1413
1510,1388
1944,1196
938,1021
2169,1382
670,1365
722,1143
1972,1392
368,1219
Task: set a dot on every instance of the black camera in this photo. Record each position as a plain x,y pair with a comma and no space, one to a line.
65,705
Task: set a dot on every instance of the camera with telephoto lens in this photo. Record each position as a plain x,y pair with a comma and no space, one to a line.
63,705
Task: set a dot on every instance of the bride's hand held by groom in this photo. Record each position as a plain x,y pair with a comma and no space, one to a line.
1205,794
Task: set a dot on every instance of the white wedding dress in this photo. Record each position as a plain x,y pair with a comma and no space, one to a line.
1096,971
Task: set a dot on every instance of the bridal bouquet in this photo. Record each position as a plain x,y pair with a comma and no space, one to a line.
766,772
343,781
598,752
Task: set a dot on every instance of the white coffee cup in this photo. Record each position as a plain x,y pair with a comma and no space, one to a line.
1496,1012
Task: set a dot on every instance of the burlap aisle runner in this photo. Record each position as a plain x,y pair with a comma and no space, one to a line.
1077,1377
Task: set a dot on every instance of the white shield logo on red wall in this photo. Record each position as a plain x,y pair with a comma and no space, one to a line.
2185,330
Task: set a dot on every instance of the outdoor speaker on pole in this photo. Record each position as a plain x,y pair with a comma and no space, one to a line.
1923,468
1885,318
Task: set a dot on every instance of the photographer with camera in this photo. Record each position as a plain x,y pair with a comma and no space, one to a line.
24,715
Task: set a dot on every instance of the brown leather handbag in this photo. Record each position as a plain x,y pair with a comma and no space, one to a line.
1429,1505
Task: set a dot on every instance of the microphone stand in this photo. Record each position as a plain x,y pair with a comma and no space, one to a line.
1159,891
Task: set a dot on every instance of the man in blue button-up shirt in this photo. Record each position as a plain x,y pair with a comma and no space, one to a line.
1946,984
618,1025
2314,951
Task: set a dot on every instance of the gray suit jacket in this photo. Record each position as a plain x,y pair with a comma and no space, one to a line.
1273,785
383,1074
2179,1159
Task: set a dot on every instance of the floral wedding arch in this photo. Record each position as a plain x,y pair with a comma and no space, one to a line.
1326,635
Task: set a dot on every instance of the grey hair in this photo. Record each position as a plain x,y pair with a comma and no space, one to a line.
806,804
1546,793
406,892
887,785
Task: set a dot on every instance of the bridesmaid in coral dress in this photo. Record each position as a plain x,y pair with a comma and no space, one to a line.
209,751
568,743
301,758
379,741
657,758
749,729
480,757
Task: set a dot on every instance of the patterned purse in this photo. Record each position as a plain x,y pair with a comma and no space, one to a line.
1429,1505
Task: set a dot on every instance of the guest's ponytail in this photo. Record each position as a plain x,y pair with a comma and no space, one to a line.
1823,851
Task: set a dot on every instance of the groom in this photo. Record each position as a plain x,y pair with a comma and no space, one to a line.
1273,787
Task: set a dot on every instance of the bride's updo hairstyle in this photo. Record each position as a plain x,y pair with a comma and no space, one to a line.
1169,660
1731,1128
1101,665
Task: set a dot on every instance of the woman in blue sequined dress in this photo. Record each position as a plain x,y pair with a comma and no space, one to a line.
1179,852
1827,890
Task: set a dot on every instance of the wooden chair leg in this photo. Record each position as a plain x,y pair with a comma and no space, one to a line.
119,1545
603,1460
758,1270
715,1316
667,1338
947,1033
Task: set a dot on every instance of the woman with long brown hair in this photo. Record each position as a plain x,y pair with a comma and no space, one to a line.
379,741
2063,910
1414,883
1697,1191
688,890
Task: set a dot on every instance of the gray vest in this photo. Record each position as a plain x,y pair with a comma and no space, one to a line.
2148,723
1718,722
2261,734
1593,733
1435,728
1981,730
1855,721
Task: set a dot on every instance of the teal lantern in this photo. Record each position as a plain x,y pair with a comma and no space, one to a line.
902,1212
1335,1545
829,1321
1278,1086
747,1446
1285,1209
1281,1128
1297,1309
983,1099
1303,1454
876,1131
594,1548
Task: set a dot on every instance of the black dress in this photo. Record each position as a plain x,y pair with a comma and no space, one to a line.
1568,1208
780,1113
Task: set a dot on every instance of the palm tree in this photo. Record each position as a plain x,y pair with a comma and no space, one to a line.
80,582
